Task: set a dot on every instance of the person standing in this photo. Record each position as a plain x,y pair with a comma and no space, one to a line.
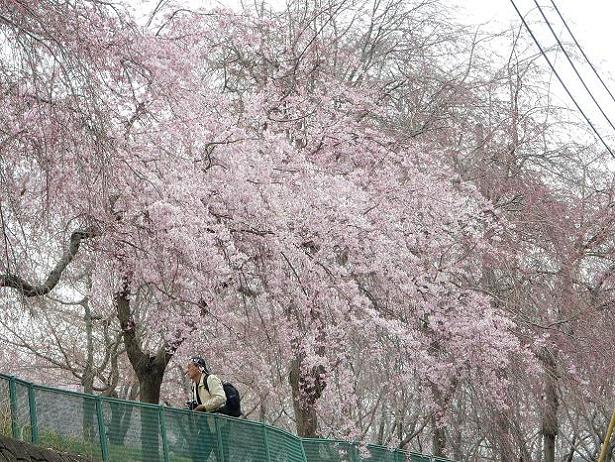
207,396
207,389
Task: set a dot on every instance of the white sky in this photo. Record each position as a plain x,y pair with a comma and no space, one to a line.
591,21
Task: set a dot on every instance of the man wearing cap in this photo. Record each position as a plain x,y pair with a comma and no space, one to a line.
207,388
209,396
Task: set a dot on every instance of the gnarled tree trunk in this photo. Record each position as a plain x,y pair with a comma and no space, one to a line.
149,370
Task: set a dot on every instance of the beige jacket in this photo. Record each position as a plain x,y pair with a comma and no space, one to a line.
213,399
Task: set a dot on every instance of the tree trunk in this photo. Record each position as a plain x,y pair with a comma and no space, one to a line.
551,404
304,403
87,379
150,381
439,438
89,410
443,398
149,370
306,385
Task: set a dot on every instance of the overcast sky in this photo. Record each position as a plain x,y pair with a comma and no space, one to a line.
591,21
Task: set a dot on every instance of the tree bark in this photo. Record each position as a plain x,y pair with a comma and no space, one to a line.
550,425
31,290
148,368
87,379
443,398
439,438
306,391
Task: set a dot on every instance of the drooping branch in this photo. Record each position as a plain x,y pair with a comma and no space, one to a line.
30,290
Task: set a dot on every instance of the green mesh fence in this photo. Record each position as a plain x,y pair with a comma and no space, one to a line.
414,457
6,425
107,429
21,417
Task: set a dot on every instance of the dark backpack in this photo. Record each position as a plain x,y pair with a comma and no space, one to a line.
233,400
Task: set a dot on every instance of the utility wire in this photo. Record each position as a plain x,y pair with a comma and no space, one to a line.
559,43
560,79
582,52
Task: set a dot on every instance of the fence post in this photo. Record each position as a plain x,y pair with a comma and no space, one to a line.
102,432
163,434
33,416
266,444
354,452
13,400
220,450
303,455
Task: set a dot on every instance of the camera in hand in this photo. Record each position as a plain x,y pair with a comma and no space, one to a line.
192,404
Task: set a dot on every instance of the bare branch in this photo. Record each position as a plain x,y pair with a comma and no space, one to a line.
30,290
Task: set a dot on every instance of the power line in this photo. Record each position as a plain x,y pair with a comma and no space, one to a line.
559,78
582,52
559,43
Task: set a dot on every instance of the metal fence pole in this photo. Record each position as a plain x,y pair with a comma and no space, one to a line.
354,452
13,400
266,444
33,416
303,456
102,432
220,451
163,434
